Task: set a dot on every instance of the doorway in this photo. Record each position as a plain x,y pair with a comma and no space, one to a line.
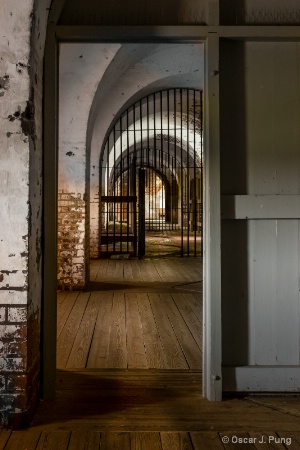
149,208
69,154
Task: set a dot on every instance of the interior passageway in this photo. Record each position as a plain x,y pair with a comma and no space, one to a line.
134,330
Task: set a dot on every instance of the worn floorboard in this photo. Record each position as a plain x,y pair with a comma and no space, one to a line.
156,401
86,439
135,316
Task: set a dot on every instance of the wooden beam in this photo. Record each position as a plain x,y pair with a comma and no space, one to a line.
55,11
260,206
259,32
212,386
125,34
185,33
257,378
48,332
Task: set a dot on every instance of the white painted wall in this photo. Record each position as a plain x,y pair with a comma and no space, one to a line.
22,40
82,66
260,156
14,176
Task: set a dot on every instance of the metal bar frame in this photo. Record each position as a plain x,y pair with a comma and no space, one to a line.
156,166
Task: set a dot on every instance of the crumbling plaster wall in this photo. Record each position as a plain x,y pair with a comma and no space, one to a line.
23,31
81,68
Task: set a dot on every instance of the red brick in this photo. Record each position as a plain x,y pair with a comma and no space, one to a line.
18,348
13,331
17,314
14,365
16,383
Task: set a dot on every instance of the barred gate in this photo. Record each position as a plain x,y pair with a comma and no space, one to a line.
151,176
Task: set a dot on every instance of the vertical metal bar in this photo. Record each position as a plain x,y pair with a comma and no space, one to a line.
154,181
134,205
141,244
152,197
168,163
132,170
168,108
195,200
100,206
163,217
201,171
148,139
107,191
114,192
155,156
141,125
121,185
140,163
188,173
128,205
172,195
181,176
151,193
149,198
161,128
133,184
175,155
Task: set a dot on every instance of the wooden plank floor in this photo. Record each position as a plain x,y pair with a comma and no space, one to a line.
95,440
137,315
146,273
129,378
156,400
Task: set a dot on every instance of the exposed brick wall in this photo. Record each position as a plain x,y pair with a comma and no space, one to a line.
71,240
19,379
87,240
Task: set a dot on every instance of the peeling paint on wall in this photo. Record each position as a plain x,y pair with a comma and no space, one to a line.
27,119
23,27
4,85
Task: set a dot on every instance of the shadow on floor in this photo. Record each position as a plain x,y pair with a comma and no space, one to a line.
123,398
144,286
